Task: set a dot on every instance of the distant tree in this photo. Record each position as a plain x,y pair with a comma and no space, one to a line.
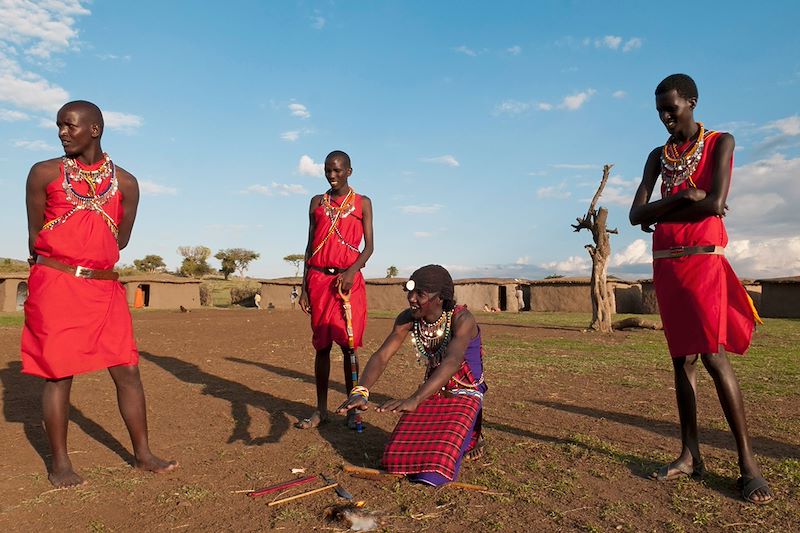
296,260
195,260
553,276
235,259
150,263
391,271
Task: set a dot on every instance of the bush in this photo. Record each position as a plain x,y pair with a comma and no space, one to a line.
244,295
205,295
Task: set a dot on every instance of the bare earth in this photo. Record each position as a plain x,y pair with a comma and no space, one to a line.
565,451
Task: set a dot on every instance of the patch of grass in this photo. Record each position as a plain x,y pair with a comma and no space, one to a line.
95,526
15,318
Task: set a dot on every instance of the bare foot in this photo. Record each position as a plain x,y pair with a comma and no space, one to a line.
63,478
315,420
476,452
155,464
678,469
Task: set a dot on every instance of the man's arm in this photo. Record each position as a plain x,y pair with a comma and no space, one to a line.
129,188
380,359
464,330
347,277
305,303
39,176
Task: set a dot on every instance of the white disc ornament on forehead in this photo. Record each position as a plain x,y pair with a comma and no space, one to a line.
410,285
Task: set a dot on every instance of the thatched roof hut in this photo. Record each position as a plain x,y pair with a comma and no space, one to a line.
161,291
13,290
780,297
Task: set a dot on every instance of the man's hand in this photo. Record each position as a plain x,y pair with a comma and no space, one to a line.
345,280
399,406
354,402
304,304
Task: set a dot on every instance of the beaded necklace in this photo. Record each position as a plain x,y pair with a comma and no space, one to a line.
431,340
676,166
335,213
93,201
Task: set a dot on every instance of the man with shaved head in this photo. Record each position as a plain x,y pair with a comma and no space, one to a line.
81,209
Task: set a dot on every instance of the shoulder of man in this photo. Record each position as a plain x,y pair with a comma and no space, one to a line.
124,176
46,171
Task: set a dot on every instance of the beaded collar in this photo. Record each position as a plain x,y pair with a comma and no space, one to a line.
678,166
431,339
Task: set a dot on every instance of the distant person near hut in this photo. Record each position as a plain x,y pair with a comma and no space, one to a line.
705,309
338,222
440,423
520,298
81,209
293,297
257,300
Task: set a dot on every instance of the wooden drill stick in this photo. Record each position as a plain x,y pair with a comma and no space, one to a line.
368,473
281,486
466,486
303,494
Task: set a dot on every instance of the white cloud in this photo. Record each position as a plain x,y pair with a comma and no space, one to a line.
8,115
572,265
466,51
423,234
619,94
113,57
786,126
767,258
151,188
609,41
299,110
40,28
307,167
632,44
575,101
447,160
122,121
511,107
558,192
526,260
38,146
27,90
279,189
544,106
619,191
514,50
636,253
318,22
420,209
290,136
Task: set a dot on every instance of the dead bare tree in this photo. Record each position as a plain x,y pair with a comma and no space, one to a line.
595,221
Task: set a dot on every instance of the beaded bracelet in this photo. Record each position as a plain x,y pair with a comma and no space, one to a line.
358,390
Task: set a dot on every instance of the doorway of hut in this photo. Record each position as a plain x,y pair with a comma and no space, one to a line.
502,297
142,296
22,295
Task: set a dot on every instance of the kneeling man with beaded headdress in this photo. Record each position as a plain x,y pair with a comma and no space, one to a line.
441,422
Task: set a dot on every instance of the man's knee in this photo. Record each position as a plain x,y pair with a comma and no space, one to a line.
125,375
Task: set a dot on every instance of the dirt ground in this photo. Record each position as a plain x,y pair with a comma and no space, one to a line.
566,451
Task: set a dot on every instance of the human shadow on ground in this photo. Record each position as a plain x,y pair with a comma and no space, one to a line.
22,404
715,437
376,399
242,397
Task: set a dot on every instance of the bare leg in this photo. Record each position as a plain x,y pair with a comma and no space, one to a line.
322,372
55,411
689,461
730,398
130,397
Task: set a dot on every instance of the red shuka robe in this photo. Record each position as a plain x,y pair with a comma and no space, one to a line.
75,325
702,302
327,314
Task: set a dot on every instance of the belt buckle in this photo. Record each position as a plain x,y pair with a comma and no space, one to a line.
676,251
330,270
83,272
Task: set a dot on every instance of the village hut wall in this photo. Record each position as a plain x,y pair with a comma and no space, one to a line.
565,295
163,291
753,289
649,302
628,297
278,292
386,294
780,297
13,290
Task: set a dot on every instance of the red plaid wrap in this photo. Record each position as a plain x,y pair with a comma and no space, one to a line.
430,438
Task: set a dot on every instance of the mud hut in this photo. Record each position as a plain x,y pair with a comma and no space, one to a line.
386,294
497,293
13,290
649,302
564,295
627,295
780,297
277,293
161,291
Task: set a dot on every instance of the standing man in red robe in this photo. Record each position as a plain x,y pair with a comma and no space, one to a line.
338,222
81,209
705,309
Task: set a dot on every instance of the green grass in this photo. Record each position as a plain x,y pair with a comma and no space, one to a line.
15,318
221,289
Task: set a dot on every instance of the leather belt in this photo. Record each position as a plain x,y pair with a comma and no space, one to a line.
331,271
683,251
77,271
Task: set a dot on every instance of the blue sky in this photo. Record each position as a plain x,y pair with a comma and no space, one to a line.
479,130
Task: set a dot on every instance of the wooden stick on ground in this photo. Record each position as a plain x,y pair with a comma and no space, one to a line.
303,494
465,486
369,473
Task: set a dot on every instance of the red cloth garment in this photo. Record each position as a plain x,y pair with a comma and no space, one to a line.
75,325
430,438
340,250
702,303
